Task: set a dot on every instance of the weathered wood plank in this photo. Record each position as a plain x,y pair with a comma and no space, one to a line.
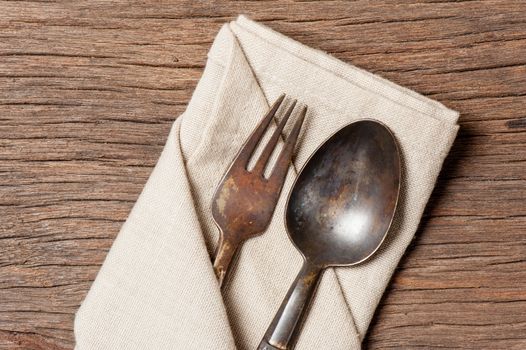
88,92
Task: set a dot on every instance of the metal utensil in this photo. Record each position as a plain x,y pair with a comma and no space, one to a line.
244,201
338,213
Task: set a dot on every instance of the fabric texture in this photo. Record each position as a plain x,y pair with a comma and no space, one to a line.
157,289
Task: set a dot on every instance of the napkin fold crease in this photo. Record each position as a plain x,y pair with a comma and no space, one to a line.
156,288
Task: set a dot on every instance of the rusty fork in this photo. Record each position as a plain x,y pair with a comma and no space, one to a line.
245,199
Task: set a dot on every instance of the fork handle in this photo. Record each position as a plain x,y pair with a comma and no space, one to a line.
224,255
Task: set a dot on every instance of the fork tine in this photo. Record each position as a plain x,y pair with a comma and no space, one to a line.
282,164
259,168
250,145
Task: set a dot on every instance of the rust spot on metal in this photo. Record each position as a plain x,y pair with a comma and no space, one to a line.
281,346
224,194
310,277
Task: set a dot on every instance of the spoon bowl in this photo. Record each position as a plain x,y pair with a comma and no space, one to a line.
338,213
344,199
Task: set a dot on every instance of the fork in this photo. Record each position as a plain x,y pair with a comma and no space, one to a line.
245,200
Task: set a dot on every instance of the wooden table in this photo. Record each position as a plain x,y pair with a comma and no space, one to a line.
88,91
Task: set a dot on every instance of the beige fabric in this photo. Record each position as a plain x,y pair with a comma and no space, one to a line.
156,289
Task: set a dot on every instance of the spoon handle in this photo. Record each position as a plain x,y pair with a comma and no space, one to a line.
287,320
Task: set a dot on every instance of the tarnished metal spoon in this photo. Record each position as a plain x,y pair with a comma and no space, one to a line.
338,213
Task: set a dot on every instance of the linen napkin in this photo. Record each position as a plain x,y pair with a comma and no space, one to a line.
157,289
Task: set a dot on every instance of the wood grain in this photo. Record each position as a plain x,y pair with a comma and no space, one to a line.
88,91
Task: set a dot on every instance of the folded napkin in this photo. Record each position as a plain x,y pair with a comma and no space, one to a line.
157,288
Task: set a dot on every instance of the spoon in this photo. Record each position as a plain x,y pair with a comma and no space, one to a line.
338,213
